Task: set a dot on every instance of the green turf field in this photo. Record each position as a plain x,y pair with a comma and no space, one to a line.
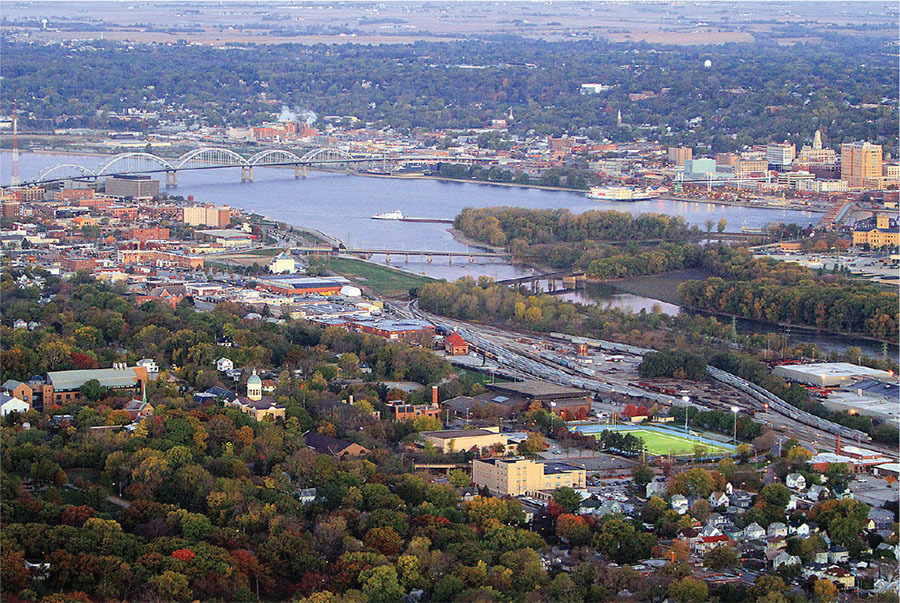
661,444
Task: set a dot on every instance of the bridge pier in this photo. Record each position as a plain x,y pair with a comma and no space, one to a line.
246,173
171,179
299,171
387,258
428,259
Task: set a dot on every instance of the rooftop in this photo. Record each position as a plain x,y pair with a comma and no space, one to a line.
111,377
448,434
538,389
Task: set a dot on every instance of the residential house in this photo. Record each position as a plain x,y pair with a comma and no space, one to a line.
776,543
324,444
838,554
708,543
741,499
799,528
840,577
679,504
8,405
224,364
20,324
841,492
718,499
655,488
754,532
881,519
305,495
777,528
710,531
600,508
795,481
783,558
816,493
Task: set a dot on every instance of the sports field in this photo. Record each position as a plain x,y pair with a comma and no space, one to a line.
665,444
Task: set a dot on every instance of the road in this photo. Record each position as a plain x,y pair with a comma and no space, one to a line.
517,354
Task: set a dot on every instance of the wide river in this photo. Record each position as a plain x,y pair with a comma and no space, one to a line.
342,205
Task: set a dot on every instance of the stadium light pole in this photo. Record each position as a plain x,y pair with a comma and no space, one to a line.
686,400
734,410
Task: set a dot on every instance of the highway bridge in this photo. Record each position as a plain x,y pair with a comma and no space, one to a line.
214,158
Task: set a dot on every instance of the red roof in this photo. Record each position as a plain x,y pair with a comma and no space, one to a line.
721,538
455,339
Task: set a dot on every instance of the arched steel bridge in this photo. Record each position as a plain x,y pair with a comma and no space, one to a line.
210,158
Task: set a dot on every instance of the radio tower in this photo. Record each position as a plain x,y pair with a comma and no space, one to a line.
15,177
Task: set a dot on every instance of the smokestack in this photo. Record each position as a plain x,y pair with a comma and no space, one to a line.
837,449
434,395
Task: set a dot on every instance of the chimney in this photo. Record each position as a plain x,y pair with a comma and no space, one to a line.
434,395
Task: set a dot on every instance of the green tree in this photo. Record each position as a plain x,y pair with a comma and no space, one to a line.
721,557
567,498
689,590
92,391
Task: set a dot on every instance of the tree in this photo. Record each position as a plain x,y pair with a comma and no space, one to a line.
533,444
825,591
567,498
838,475
720,227
776,495
689,590
574,529
642,475
172,586
92,391
701,509
459,478
721,557
381,584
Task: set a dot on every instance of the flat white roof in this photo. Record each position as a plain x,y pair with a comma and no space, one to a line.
834,369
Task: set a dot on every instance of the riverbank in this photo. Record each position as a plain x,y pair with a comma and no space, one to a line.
664,287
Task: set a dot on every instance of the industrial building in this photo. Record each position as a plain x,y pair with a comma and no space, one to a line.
828,374
567,402
302,285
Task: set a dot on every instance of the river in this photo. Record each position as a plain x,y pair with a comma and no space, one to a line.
341,205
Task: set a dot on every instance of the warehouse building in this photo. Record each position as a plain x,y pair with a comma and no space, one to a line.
828,374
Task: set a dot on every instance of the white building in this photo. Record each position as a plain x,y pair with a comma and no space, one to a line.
679,504
149,364
780,153
795,481
283,263
224,365
9,404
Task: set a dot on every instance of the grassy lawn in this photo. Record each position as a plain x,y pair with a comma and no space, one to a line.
664,444
384,280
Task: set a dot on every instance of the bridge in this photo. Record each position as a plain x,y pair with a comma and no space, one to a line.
429,255
214,158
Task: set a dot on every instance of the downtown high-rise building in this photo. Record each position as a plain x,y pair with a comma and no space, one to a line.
860,161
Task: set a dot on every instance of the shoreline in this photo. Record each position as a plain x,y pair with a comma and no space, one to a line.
562,189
